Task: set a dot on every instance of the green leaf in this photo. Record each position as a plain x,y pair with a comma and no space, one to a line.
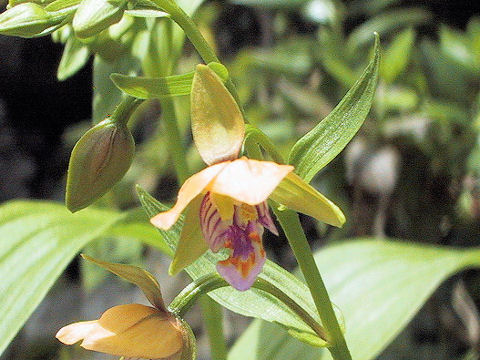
379,285
318,147
74,57
137,276
397,56
38,240
151,88
143,87
254,303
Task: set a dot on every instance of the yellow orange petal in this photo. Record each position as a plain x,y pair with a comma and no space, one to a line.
191,244
192,187
296,194
131,330
249,181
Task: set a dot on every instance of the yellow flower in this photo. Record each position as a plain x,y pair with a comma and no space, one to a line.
226,203
132,331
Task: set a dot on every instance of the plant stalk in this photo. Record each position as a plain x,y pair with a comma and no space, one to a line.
298,242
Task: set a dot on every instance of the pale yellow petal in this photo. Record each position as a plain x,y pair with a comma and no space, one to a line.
192,187
249,181
73,333
218,127
296,194
131,330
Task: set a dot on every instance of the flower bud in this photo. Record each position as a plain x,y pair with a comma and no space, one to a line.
94,16
131,331
98,161
25,20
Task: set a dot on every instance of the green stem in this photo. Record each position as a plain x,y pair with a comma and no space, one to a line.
256,136
298,242
213,319
187,297
125,109
206,52
174,140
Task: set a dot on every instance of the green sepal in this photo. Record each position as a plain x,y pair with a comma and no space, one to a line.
99,160
296,194
26,20
326,140
191,244
94,16
137,276
218,126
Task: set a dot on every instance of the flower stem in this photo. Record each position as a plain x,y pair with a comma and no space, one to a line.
194,35
298,242
125,109
174,140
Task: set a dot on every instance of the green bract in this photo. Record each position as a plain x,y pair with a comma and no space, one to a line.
98,161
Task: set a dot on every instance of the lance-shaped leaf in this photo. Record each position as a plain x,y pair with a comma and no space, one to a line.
94,16
217,123
326,140
137,276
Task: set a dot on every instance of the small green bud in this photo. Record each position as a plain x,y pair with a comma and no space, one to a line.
99,160
93,16
25,20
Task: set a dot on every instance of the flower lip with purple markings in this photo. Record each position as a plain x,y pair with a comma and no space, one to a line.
242,234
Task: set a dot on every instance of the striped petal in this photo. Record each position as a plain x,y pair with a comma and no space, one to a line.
264,217
247,258
214,229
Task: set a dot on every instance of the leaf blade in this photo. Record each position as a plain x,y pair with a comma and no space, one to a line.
325,141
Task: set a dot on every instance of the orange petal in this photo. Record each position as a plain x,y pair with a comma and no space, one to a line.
249,181
190,189
131,330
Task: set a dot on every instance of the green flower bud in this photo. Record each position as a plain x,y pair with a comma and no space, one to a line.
26,20
98,161
93,16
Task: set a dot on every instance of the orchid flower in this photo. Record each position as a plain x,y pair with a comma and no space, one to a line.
226,203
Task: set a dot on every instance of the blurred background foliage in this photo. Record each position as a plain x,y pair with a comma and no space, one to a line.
412,172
